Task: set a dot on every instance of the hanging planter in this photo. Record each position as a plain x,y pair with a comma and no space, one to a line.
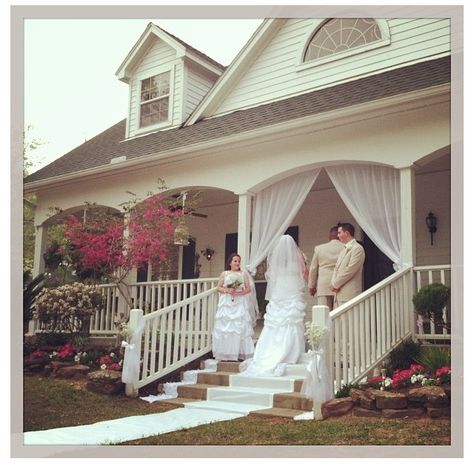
181,234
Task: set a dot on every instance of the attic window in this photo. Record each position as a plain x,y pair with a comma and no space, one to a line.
154,99
339,35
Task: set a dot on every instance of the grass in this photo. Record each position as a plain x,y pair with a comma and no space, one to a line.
51,403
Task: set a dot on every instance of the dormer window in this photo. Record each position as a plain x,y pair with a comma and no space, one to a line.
154,99
342,36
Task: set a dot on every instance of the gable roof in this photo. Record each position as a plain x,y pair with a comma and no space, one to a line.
99,151
153,31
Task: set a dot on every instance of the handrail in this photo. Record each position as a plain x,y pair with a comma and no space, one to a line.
173,281
369,292
176,335
182,303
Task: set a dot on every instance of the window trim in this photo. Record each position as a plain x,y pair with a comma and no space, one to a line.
384,41
158,125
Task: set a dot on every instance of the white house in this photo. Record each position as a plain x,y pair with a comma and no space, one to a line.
314,122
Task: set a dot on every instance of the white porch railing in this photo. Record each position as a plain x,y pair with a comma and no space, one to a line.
365,329
147,296
425,275
177,334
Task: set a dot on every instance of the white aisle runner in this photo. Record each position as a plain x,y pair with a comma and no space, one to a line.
130,428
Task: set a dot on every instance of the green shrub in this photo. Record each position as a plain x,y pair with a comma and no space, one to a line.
52,339
344,391
431,300
403,356
433,358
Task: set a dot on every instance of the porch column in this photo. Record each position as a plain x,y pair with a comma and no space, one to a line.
407,213
243,227
40,248
408,241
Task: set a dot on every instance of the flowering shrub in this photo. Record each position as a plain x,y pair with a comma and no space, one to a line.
416,374
443,375
111,362
66,352
68,307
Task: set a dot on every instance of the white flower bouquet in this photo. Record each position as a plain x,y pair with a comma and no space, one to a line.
234,280
315,335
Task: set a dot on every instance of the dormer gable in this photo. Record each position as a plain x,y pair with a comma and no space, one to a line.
167,79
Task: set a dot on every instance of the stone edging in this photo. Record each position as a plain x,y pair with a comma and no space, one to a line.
431,401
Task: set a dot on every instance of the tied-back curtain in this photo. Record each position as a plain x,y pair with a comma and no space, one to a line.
274,209
372,195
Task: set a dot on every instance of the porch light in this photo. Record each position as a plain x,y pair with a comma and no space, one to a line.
431,223
181,234
208,253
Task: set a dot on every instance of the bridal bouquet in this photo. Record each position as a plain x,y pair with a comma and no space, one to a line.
233,281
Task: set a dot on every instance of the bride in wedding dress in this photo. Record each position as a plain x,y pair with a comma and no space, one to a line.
281,341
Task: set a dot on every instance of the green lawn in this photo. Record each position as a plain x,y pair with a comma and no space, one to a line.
51,403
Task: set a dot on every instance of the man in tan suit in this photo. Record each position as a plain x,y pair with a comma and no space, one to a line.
346,280
322,267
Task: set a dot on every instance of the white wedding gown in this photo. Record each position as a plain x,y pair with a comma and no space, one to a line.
232,334
282,339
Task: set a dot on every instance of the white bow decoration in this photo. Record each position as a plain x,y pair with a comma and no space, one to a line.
131,360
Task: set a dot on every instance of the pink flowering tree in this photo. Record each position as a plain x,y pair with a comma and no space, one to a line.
108,245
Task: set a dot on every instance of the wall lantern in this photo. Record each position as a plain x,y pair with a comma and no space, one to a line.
208,253
431,223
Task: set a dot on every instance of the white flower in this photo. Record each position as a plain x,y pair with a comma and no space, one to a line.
77,358
388,382
234,280
55,353
112,354
413,379
103,366
424,381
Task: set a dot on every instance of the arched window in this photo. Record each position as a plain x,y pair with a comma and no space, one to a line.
341,34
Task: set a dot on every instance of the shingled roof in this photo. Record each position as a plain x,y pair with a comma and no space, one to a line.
99,150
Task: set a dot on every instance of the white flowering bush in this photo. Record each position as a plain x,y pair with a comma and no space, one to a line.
68,307
315,335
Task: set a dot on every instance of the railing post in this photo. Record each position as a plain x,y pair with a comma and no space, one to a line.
131,389
321,318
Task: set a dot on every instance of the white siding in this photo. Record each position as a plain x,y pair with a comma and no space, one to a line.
197,85
159,57
274,74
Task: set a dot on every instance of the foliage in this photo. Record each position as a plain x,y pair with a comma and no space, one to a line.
344,391
433,358
415,375
52,338
31,290
30,147
96,249
69,307
430,302
403,356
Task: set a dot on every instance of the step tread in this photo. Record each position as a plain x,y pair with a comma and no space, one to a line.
179,402
199,386
276,413
231,407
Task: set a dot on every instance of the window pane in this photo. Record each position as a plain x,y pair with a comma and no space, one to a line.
341,34
153,112
156,86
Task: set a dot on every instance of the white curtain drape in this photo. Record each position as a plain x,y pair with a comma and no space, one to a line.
274,209
131,360
372,195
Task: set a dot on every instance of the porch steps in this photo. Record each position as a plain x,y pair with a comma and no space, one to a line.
225,390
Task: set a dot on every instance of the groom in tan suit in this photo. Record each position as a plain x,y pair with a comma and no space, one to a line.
322,267
346,280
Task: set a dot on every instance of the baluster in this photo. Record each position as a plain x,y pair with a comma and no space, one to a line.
373,334
154,328
357,342
368,339
161,344
184,331
146,351
344,346
337,351
170,317
177,336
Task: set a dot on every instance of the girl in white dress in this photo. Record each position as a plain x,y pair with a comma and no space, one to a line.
282,340
232,334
